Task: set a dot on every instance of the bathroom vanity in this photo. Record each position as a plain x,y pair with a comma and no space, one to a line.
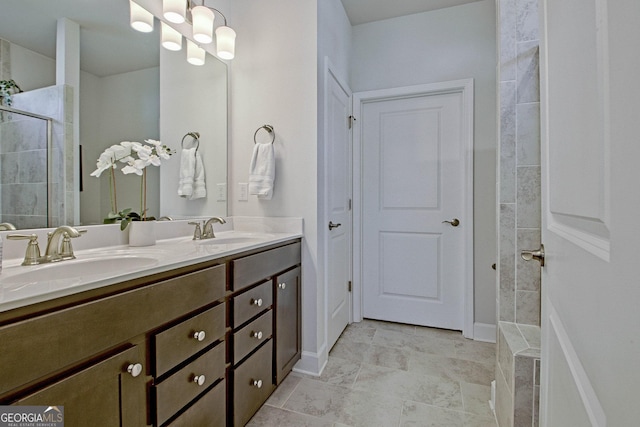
200,344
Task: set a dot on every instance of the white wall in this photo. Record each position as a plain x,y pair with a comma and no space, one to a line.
274,81
31,70
446,44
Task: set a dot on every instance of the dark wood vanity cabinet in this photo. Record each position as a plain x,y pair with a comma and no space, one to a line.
199,346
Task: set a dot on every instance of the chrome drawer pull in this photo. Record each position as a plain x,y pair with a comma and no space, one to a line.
200,335
199,379
256,302
256,383
256,335
134,369
282,285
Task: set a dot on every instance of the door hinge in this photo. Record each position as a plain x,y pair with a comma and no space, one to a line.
349,204
349,285
350,121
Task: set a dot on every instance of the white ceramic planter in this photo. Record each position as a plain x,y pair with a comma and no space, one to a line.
142,233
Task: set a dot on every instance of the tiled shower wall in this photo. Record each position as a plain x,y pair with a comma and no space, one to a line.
519,192
23,155
518,293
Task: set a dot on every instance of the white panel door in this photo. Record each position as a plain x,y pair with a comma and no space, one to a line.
590,96
413,179
338,211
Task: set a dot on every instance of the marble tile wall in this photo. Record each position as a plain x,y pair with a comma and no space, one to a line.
519,163
24,155
519,225
517,375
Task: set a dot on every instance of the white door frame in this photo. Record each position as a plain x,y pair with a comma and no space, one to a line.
465,87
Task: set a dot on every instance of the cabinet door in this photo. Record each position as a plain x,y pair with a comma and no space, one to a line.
288,333
104,394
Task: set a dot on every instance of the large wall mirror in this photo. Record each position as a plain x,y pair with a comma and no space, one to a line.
128,91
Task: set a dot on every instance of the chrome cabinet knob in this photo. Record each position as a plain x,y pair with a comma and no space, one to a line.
200,335
134,369
256,383
256,302
282,285
257,335
454,222
199,379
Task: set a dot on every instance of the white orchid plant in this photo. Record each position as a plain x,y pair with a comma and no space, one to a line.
136,156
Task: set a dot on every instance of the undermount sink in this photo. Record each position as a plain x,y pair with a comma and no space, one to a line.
76,269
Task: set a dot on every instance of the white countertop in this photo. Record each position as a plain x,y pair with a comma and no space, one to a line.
106,263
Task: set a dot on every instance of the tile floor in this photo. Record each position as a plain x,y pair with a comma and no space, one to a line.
388,375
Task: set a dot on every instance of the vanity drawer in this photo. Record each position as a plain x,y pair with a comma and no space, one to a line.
180,388
209,411
180,342
247,395
245,340
254,268
251,303
59,339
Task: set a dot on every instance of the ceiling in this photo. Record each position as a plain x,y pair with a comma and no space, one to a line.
363,11
108,45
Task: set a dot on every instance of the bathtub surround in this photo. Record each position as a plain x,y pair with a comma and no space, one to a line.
518,284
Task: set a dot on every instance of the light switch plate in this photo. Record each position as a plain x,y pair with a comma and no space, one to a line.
244,191
222,192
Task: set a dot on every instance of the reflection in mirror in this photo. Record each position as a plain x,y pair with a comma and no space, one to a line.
119,100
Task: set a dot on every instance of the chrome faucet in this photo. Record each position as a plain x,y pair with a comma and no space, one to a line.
56,251
207,230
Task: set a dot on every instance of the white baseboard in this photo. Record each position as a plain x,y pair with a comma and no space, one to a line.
312,363
484,332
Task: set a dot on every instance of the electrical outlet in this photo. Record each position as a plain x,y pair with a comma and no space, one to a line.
222,192
244,191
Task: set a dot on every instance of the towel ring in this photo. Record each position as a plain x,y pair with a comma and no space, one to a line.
195,136
269,129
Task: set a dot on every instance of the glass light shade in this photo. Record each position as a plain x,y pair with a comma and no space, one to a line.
225,42
140,19
174,10
203,18
171,39
195,54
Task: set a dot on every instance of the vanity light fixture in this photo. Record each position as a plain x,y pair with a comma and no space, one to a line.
195,54
170,38
201,18
140,19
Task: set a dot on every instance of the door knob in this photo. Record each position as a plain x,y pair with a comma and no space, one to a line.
537,255
454,222
332,225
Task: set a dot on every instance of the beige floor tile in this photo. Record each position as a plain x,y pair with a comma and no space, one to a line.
344,405
429,345
387,356
389,326
358,334
475,398
420,415
269,416
284,390
451,368
339,371
349,350
447,334
477,351
410,386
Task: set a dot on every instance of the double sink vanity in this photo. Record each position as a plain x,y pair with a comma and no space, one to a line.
182,333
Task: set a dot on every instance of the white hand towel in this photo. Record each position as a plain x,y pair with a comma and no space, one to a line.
187,171
199,188
262,171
